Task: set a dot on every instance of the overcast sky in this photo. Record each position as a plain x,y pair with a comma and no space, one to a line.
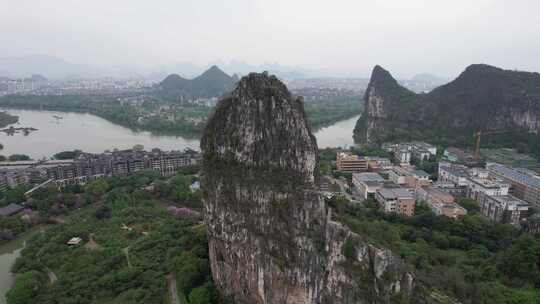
346,36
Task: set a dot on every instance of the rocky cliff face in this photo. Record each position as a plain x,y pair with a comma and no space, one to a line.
481,98
271,237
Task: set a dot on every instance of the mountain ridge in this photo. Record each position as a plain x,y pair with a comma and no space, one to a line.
482,97
211,83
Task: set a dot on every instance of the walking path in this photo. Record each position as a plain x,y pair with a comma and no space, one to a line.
126,252
52,276
173,291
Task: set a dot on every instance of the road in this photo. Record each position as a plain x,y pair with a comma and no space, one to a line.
343,187
173,291
126,252
52,276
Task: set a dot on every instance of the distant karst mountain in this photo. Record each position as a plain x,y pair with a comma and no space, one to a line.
212,83
483,98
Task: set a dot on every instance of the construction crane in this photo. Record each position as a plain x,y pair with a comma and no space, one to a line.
477,137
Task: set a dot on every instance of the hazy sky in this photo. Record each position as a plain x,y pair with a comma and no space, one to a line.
347,36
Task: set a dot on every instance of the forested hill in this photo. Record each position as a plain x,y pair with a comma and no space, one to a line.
482,97
212,83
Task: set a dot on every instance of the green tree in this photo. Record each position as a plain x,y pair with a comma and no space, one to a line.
26,287
202,294
97,188
469,204
18,157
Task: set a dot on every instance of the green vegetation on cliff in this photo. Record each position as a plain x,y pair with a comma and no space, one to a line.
471,258
481,98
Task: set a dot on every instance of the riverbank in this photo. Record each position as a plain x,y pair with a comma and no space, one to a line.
80,131
9,252
187,121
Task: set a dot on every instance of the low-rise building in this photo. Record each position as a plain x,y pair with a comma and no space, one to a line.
454,154
488,186
10,210
523,183
398,175
420,178
396,200
402,156
456,174
404,152
440,202
367,183
506,209
531,224
378,163
348,162
451,188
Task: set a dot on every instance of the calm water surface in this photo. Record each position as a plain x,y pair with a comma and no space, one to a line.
80,131
93,134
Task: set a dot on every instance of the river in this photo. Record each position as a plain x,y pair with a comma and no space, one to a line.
90,133
8,253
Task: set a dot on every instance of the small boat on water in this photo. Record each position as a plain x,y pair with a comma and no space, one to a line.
58,117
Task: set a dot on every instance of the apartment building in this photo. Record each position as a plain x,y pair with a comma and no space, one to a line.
367,183
456,174
404,152
348,162
378,163
440,202
396,200
88,166
398,175
402,156
506,209
488,186
523,183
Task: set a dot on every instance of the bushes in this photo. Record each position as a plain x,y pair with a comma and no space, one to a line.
470,258
26,288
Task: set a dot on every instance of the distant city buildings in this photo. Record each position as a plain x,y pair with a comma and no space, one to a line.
37,85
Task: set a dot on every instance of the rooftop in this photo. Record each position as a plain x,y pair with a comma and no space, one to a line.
395,193
10,209
344,156
420,173
522,177
368,177
457,170
489,183
510,202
